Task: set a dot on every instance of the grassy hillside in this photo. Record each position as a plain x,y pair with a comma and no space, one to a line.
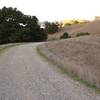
80,56
92,27
65,29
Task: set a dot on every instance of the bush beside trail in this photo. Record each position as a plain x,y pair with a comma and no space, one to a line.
82,34
65,36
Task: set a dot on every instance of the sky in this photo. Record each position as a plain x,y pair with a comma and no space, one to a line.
56,10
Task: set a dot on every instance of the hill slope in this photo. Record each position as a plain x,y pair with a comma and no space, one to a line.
80,56
91,27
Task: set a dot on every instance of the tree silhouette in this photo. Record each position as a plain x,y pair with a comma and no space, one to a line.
17,27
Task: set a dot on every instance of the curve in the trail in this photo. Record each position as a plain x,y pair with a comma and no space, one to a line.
24,75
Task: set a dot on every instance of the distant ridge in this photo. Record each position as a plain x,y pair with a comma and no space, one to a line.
92,27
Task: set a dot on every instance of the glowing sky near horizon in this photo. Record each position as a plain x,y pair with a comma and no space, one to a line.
53,10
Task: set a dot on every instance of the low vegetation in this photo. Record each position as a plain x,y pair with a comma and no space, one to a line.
78,56
64,36
82,34
4,47
91,27
41,50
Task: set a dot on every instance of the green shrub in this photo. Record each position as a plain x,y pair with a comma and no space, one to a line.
64,36
82,34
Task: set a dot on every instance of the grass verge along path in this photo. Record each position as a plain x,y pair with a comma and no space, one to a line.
7,46
63,70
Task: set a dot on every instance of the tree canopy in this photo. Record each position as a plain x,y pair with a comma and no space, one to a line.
17,27
51,28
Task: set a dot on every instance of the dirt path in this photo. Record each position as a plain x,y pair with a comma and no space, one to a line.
24,75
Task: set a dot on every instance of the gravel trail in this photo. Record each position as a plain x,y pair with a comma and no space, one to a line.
24,75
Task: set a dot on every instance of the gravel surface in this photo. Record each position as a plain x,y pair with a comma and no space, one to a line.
24,75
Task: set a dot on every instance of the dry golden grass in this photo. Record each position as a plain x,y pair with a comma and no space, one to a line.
80,56
65,29
92,27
